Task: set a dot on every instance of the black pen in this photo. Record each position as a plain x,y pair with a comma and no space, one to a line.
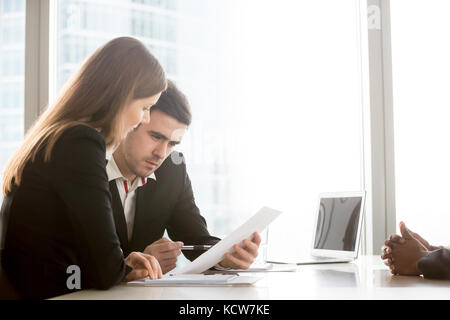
197,247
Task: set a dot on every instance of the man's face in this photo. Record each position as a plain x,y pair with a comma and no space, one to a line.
145,148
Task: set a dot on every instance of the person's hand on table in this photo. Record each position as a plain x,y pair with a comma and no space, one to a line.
244,255
401,253
143,265
386,249
166,252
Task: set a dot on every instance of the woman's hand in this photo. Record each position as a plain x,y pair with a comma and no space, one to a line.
143,265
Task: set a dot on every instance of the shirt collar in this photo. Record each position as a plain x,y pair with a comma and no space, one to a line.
113,172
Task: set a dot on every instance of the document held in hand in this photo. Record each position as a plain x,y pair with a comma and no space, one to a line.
213,256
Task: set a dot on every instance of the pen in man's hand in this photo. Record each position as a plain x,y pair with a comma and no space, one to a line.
197,247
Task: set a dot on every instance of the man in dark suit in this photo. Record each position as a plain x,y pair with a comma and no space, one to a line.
410,254
151,191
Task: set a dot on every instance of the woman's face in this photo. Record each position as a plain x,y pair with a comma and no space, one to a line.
136,112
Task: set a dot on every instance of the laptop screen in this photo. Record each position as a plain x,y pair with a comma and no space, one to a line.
337,223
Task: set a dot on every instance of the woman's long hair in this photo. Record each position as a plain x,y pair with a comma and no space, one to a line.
121,70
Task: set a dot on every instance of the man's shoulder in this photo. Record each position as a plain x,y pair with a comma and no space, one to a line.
175,161
174,166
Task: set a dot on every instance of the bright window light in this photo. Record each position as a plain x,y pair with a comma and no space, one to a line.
274,89
421,67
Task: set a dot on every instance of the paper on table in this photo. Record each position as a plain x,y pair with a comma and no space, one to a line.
196,280
253,268
210,258
292,267
186,279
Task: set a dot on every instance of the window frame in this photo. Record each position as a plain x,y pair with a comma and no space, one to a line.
379,165
37,56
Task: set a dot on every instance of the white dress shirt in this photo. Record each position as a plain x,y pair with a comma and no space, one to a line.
127,192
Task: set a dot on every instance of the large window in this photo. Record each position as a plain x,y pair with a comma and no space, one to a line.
291,126
421,68
274,86
12,63
275,96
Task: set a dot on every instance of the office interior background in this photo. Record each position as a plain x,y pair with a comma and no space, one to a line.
289,99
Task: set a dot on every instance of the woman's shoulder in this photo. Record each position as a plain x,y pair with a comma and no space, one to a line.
83,132
79,146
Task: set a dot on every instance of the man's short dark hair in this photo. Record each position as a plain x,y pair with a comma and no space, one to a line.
174,103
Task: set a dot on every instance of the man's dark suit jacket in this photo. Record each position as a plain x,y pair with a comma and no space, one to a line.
59,216
167,203
436,265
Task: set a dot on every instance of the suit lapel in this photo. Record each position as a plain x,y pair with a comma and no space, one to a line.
119,216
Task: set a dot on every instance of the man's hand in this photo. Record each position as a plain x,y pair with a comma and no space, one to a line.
143,265
386,250
401,254
243,256
166,252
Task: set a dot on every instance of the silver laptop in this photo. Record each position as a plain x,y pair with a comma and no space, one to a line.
337,228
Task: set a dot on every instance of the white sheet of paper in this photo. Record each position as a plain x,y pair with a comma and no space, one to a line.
257,223
186,279
288,267
195,280
269,267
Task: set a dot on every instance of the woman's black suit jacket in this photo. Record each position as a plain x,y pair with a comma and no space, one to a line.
60,216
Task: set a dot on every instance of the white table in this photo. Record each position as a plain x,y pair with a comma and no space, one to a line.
365,278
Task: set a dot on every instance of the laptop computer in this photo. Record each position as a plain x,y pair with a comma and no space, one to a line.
337,228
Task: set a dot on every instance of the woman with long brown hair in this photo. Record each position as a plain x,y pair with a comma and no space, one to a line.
57,217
